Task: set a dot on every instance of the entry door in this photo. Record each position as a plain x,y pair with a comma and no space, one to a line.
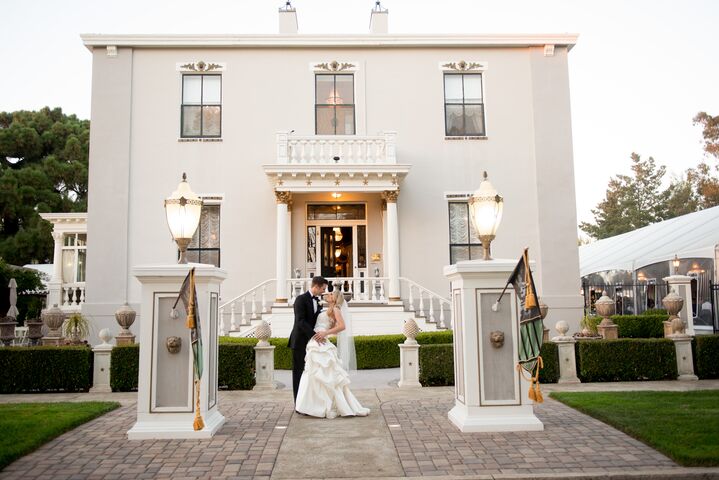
337,253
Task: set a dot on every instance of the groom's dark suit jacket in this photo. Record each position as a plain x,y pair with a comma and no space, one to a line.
305,319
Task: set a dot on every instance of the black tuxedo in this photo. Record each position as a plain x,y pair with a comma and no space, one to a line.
302,331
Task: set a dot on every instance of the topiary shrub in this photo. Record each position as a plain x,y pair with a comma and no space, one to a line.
436,364
637,326
707,356
124,368
626,360
236,366
42,369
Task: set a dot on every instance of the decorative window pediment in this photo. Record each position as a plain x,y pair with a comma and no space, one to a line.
334,66
463,66
201,66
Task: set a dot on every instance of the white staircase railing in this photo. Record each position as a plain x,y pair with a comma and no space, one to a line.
426,310
356,289
249,305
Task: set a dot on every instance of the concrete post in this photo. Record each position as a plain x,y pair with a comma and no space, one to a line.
566,354
264,367
683,286
101,364
685,363
409,357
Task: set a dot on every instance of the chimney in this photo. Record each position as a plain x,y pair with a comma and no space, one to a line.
378,20
288,19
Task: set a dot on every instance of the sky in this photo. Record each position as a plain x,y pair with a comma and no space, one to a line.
639,73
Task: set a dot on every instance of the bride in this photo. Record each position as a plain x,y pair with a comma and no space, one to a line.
324,386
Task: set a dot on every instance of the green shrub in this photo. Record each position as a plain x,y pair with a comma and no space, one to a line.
436,364
41,369
626,360
637,326
236,366
706,356
373,351
656,311
124,368
550,360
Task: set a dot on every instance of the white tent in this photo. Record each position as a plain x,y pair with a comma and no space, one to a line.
694,235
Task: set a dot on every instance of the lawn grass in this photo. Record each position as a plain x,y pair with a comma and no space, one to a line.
682,425
26,426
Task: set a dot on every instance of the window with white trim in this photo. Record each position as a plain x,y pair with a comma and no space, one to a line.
205,244
74,257
464,242
201,110
334,104
463,105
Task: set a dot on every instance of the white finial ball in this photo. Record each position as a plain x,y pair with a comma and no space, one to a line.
562,327
105,335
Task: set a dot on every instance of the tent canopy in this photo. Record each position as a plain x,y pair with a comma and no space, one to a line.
694,235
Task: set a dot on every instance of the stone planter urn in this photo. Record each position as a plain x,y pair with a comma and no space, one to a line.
606,308
263,332
674,304
125,317
410,330
543,310
53,318
7,330
34,330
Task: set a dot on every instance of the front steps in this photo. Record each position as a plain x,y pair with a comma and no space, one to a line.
367,319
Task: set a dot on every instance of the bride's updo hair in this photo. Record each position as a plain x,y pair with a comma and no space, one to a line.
338,296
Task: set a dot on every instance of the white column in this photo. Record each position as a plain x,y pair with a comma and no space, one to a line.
289,242
54,294
283,198
384,237
392,244
683,286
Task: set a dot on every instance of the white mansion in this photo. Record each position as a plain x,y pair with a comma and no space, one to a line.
347,156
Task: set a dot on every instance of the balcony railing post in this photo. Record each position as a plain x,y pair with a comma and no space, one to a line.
390,147
282,147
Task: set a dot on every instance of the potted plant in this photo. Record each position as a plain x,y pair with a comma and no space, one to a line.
76,328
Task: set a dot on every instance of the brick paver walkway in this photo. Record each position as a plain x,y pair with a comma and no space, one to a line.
428,444
245,447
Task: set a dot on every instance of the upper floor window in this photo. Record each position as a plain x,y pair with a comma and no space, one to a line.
201,105
464,242
74,255
334,104
463,105
205,244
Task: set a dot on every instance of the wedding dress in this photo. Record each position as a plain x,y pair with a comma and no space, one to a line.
324,387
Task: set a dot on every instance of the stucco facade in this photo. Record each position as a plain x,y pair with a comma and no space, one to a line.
268,86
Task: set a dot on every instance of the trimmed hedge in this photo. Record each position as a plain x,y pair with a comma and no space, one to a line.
373,351
550,360
124,368
436,365
626,360
235,366
42,369
706,354
637,326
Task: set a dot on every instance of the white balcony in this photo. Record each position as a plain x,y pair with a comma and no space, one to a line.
312,163
336,149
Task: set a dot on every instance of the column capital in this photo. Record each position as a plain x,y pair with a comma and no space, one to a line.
58,236
283,197
390,196
384,204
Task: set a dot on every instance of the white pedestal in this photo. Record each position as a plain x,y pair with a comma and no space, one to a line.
490,394
409,365
567,359
264,367
683,286
166,391
685,363
101,369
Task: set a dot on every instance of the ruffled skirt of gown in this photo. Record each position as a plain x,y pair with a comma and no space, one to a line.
324,387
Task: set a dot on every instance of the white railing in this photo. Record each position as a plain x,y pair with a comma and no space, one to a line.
247,306
356,289
336,149
72,294
424,302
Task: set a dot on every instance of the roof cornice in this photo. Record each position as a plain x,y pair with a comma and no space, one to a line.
91,40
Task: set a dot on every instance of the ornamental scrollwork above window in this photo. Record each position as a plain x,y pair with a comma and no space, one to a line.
201,66
334,66
462,66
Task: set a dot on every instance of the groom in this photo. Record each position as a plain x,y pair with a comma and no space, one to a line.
307,308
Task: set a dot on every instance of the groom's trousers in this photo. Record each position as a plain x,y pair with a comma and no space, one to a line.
298,366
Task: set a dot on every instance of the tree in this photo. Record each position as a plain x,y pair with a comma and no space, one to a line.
43,168
703,177
631,202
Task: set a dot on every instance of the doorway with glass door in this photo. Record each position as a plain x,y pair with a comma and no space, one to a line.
337,244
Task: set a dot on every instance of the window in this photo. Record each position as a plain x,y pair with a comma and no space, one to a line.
345,211
464,243
205,244
463,105
334,104
74,255
201,106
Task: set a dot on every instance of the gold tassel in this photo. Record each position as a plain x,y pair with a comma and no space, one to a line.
198,424
191,302
530,300
538,397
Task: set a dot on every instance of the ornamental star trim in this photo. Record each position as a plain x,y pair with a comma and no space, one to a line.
462,66
334,66
201,66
